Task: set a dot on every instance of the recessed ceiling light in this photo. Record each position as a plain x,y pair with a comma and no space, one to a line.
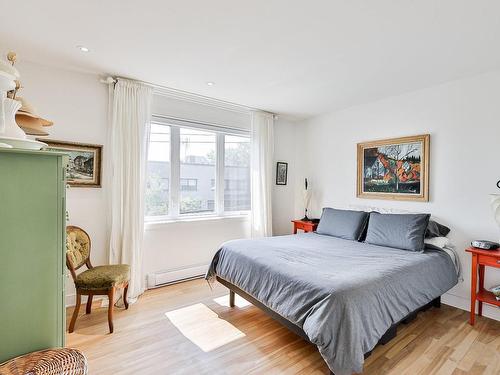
83,48
210,83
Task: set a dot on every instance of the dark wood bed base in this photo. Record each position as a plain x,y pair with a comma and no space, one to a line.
388,335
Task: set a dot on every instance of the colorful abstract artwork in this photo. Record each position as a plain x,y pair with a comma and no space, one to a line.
394,168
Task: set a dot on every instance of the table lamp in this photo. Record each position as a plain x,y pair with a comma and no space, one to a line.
306,195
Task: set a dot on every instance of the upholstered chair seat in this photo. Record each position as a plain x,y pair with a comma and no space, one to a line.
103,277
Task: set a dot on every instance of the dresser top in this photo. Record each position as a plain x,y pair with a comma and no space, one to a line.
32,152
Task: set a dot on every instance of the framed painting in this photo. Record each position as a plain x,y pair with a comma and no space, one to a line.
281,173
395,168
84,167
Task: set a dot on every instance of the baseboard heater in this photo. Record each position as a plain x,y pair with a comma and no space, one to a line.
162,278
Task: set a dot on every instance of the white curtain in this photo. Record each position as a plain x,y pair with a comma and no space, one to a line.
130,113
262,159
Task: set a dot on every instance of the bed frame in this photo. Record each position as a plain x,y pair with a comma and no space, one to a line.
388,335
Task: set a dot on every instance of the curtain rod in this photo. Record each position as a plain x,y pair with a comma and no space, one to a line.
191,97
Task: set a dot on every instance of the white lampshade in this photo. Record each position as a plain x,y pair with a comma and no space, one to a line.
306,195
495,206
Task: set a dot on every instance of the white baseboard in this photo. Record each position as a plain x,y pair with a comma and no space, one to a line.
161,278
464,304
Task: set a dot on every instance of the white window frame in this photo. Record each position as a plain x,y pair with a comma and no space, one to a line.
175,125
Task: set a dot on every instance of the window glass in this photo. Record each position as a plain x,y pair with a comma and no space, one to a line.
189,184
197,169
158,171
197,187
236,173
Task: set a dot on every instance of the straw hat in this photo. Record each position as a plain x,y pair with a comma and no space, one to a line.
29,121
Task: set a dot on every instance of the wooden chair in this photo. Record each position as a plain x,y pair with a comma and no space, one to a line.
99,280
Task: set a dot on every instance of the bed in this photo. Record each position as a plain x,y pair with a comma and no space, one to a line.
343,296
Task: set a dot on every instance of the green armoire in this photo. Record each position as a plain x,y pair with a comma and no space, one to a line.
32,251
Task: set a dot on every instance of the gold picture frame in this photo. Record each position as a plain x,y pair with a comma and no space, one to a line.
396,168
85,162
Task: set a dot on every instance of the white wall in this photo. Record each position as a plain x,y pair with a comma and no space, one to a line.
186,244
77,103
463,118
287,148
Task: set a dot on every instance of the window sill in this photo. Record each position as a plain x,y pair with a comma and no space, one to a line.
151,224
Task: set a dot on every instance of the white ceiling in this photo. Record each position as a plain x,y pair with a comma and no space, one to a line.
299,58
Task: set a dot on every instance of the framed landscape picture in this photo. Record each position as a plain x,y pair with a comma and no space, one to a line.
281,173
395,168
84,168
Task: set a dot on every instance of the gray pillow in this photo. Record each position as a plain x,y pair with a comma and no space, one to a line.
402,231
342,223
434,229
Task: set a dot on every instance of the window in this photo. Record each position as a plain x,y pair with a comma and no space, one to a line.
197,158
236,173
158,171
189,184
211,204
196,170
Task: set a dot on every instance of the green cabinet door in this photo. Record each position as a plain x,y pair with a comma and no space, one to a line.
32,251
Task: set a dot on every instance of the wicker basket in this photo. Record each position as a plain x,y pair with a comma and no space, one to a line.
64,361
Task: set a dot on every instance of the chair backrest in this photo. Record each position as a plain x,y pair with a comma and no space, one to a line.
77,248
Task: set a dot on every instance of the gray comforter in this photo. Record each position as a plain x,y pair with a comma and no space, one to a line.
343,294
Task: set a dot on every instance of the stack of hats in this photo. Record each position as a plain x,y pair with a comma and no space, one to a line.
11,134
28,119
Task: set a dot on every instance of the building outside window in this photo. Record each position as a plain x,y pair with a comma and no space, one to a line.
236,173
158,172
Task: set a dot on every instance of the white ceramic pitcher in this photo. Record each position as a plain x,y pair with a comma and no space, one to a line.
6,84
11,129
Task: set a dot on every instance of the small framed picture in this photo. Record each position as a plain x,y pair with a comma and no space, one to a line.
281,173
84,168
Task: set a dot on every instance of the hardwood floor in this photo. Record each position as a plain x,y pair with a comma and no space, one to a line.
189,329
